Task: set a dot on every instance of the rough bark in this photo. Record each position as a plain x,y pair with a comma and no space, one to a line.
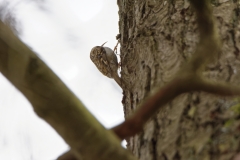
157,38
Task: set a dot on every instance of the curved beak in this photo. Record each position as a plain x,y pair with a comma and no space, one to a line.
103,44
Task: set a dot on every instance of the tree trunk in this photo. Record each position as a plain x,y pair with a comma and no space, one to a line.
157,38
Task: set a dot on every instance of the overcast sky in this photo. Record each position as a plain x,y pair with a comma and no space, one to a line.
62,33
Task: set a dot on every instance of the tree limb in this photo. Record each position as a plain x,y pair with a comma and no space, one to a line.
55,103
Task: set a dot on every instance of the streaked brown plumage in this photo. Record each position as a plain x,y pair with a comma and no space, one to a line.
106,62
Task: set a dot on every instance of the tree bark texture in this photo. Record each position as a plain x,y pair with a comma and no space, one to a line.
157,38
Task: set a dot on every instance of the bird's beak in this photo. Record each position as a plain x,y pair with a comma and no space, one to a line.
103,44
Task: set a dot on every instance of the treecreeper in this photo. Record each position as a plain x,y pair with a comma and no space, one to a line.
106,62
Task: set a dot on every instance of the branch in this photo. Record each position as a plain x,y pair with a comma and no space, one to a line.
55,103
69,155
135,123
221,89
209,43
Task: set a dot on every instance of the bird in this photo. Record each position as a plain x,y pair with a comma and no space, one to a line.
106,62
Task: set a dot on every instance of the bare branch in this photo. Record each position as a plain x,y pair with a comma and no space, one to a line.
218,88
55,103
69,155
209,44
135,123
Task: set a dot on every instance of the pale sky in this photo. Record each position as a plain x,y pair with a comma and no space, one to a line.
62,33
